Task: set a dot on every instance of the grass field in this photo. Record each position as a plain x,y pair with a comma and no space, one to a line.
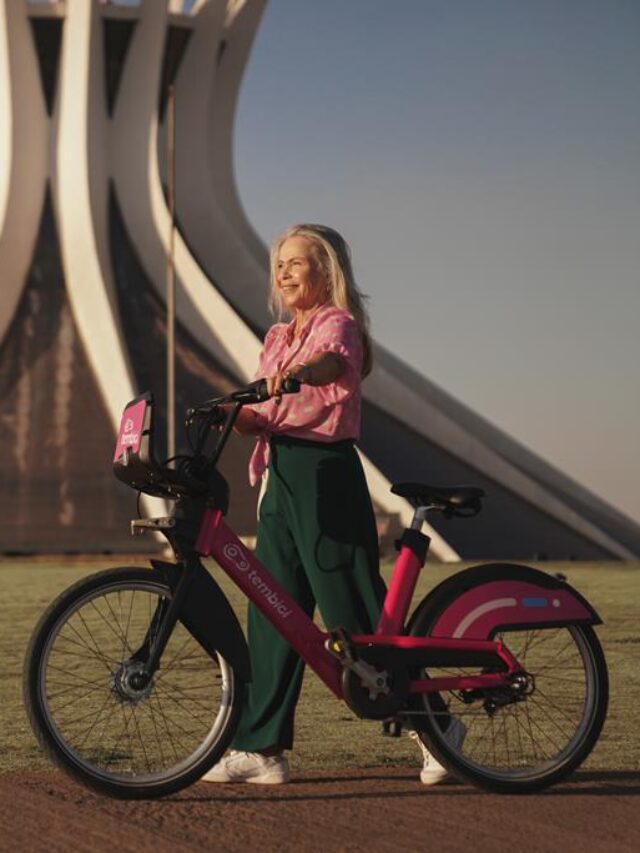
328,735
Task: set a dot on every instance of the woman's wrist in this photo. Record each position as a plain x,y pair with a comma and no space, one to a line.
249,422
303,372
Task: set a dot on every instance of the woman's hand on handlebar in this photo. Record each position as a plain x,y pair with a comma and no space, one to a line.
275,384
321,369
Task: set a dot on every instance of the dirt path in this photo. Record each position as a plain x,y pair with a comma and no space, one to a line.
372,810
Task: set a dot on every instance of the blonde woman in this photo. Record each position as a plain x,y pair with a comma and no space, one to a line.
316,529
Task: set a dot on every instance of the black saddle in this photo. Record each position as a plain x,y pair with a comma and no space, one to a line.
459,500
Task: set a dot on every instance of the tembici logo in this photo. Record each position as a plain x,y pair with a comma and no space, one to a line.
238,558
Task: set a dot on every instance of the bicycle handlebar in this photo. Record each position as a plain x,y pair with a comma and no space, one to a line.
194,472
254,392
212,415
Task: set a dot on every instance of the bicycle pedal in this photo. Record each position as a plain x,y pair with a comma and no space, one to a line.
339,644
142,525
391,728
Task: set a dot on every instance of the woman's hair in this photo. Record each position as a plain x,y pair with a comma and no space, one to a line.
332,260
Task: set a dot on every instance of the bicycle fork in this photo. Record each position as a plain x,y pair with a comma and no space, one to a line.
161,627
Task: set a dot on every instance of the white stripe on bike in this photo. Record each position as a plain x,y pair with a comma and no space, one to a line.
479,611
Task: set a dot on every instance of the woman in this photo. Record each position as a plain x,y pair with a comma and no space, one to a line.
316,528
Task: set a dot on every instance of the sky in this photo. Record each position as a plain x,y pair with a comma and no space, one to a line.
482,158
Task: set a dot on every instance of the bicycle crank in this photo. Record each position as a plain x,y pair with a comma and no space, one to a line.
370,688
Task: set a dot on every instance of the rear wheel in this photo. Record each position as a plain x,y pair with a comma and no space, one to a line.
521,741
93,713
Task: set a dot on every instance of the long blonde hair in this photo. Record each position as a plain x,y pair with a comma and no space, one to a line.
332,259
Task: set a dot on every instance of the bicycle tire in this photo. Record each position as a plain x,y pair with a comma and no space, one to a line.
133,748
494,764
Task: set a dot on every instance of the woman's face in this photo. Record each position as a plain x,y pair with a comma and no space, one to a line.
297,280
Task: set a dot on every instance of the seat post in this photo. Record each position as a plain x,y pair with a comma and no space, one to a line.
413,547
419,516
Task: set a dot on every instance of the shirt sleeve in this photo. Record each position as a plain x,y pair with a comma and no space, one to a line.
339,333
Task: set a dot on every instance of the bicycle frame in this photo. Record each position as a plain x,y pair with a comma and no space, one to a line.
138,681
217,540
462,636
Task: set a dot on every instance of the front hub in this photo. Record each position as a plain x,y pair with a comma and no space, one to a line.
131,683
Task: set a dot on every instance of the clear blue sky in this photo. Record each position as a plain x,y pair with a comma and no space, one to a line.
482,157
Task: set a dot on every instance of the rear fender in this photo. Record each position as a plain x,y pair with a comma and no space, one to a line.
481,601
208,617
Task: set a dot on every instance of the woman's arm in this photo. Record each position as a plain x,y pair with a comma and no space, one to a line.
320,369
246,421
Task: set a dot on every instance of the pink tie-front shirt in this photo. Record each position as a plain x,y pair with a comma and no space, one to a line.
321,413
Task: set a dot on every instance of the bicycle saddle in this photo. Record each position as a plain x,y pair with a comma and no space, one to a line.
441,497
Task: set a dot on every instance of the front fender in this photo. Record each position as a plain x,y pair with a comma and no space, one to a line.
481,601
208,616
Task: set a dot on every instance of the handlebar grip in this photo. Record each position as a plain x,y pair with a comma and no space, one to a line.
291,385
256,392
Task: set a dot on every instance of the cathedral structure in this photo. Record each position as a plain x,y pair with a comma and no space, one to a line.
84,234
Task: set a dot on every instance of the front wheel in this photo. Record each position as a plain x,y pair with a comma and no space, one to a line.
100,722
513,743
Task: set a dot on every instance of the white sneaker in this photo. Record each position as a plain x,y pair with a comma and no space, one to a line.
249,767
432,771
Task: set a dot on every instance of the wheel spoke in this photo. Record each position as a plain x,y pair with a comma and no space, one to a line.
119,635
167,695
85,735
172,662
67,688
94,652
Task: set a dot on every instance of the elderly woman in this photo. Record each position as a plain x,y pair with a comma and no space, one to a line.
316,528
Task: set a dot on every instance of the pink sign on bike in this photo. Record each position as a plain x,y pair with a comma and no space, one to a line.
130,428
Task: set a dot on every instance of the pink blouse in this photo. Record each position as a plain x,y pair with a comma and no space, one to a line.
323,413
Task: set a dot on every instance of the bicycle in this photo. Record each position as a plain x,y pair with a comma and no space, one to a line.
134,678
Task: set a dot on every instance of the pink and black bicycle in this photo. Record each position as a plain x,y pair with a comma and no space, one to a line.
134,678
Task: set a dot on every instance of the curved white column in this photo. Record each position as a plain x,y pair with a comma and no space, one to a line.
81,195
24,142
206,92
81,150
200,307
206,96
84,246
241,24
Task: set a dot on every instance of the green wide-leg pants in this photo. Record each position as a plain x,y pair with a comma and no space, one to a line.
317,536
